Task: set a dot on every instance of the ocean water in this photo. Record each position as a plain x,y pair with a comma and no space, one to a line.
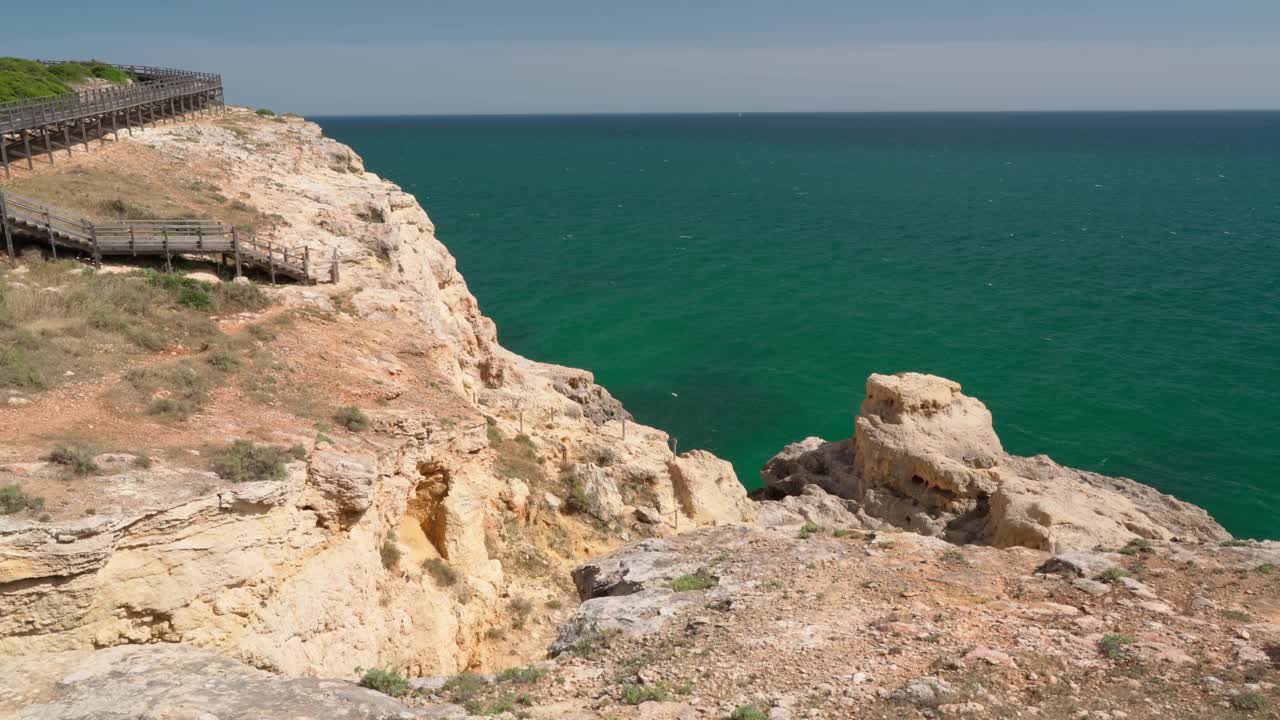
1109,284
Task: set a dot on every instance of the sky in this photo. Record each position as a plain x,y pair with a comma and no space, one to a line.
396,57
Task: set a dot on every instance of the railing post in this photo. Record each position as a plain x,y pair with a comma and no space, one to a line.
93,239
333,270
306,262
48,228
235,247
133,250
8,233
271,262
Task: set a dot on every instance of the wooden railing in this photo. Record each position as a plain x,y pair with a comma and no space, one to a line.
164,84
25,215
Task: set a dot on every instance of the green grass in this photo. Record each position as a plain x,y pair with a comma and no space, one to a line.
700,580
748,712
76,458
1112,646
244,461
265,112
13,499
60,318
23,79
387,682
955,557
80,72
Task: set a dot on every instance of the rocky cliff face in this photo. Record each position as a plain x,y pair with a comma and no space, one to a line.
925,457
437,540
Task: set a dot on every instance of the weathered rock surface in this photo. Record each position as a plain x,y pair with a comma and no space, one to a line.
708,489
178,682
925,457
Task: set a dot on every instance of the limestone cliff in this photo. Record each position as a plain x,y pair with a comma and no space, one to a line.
434,541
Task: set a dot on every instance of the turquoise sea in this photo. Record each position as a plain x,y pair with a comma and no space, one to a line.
1109,284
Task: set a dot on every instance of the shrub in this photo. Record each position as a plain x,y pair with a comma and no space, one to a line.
352,418
700,580
554,604
748,712
521,607
390,553
77,459
578,501
142,462
1266,568
13,499
195,297
244,461
298,452
1112,646
524,676
387,682
222,360
809,529
265,112
1248,701
517,457
18,369
464,686
183,386
636,694
1112,575
955,557
440,570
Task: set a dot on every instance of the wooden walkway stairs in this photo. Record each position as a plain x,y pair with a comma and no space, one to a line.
35,127
24,217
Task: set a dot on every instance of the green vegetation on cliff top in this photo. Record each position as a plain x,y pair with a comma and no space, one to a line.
21,79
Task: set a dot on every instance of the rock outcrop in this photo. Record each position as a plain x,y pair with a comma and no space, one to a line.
925,457
177,681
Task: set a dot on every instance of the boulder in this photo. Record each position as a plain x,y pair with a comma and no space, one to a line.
345,480
708,489
204,277
604,501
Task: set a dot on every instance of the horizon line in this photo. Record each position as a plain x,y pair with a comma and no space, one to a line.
742,113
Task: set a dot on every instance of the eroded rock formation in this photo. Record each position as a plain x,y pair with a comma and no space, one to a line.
925,457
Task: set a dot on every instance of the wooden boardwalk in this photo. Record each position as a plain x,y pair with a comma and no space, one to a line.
38,127
26,218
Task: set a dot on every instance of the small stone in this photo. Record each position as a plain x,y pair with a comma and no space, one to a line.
1093,587
989,656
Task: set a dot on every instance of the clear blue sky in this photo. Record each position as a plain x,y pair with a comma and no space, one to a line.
514,56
